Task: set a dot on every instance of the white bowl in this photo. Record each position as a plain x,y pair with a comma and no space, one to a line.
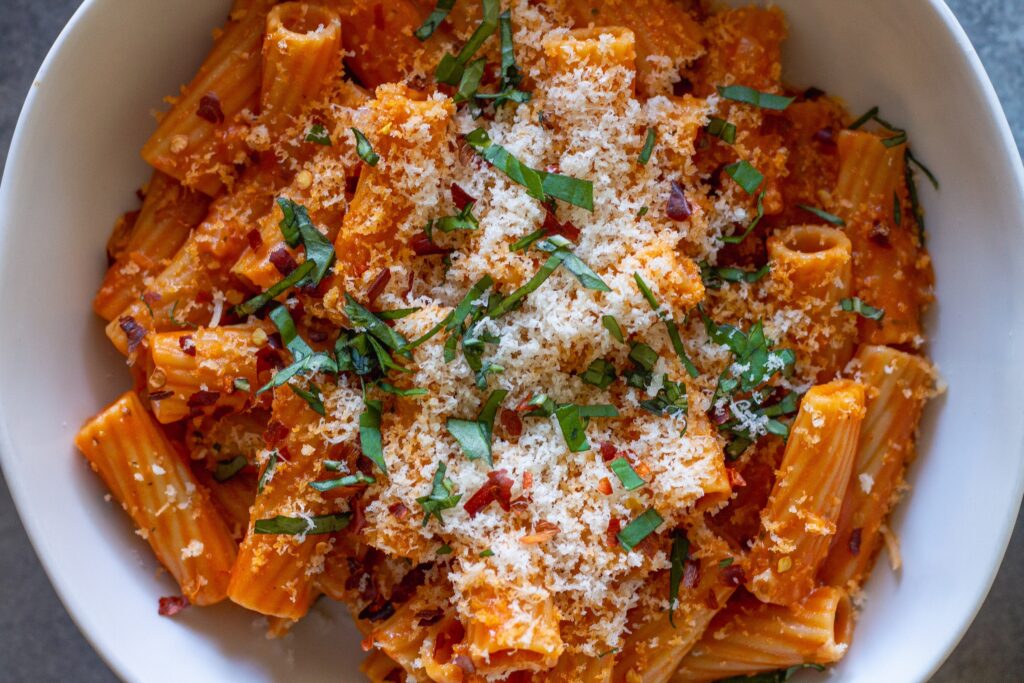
72,169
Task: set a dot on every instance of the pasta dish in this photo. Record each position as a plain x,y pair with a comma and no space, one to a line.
560,340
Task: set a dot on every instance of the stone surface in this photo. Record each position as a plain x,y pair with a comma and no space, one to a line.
39,642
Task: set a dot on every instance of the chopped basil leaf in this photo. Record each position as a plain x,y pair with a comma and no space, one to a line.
525,242
361,317
679,554
487,553
600,373
612,325
268,472
722,129
570,190
397,313
510,73
318,134
587,277
451,67
931,176
470,81
727,562
895,140
435,19
444,550
627,475
310,396
670,324
543,406
855,305
867,116
289,335
440,497
179,323
736,239
745,175
350,480
311,364
539,184
226,469
897,209
643,211
260,300
714,276
645,153
640,528
643,355
823,215
671,400
371,441
289,224
318,249
414,391
474,436
364,149
335,466
573,428
599,410
764,100
241,384
463,220
302,526
513,299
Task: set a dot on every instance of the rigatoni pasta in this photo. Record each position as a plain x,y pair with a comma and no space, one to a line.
560,341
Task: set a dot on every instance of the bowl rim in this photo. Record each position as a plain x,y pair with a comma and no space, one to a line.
80,615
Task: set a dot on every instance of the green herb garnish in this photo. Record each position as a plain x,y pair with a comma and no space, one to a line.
226,469
823,215
302,526
645,153
855,305
437,16
318,134
640,528
763,100
440,497
364,149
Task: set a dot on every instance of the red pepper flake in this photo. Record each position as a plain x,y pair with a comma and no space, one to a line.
283,261
409,284
275,432
268,358
203,398
398,511
511,423
612,532
422,245
378,285
171,605
461,198
412,580
498,487
608,451
151,298
429,617
678,206
187,344
553,227
855,538
255,239
377,610
136,333
209,109
160,395
543,532
605,486
733,575
691,574
825,136
736,480
711,600
879,234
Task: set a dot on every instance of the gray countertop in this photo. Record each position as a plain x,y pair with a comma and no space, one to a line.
39,642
